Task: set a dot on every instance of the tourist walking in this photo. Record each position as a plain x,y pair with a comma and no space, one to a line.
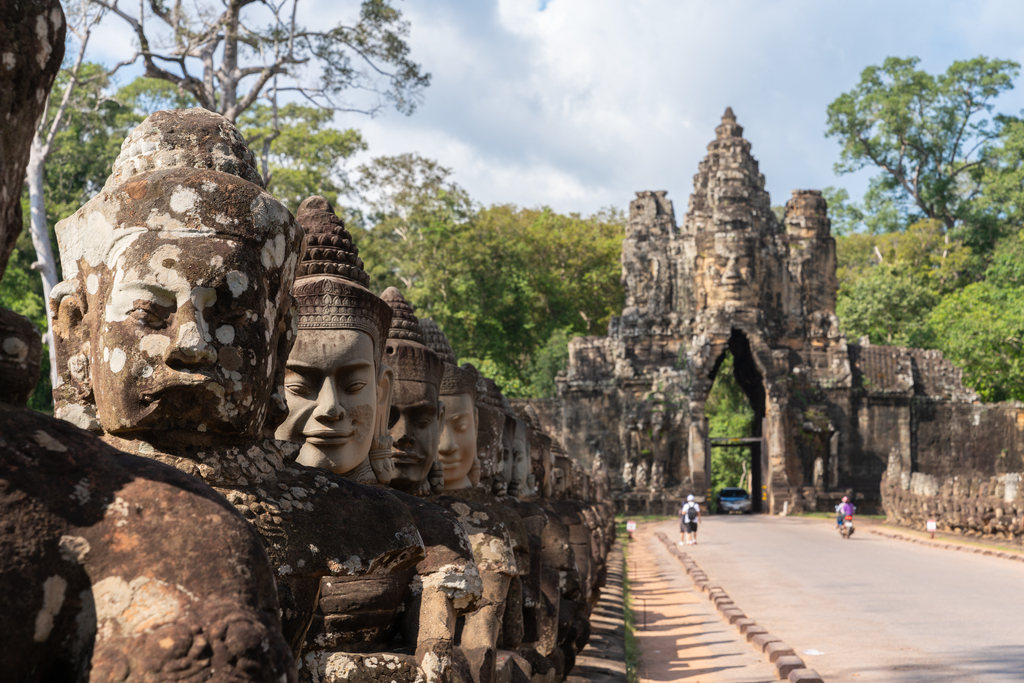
689,518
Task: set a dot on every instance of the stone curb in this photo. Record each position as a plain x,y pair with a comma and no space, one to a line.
787,664
944,545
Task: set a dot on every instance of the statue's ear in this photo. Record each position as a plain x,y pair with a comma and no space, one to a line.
476,417
385,393
440,414
73,395
287,331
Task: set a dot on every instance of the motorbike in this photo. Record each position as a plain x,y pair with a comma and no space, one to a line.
846,530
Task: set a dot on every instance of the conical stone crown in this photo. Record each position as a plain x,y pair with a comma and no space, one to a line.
457,380
404,324
436,340
406,353
330,285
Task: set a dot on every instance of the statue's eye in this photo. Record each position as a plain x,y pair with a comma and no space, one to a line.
355,387
148,317
298,388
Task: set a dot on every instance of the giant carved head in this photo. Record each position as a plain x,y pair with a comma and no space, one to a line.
728,271
457,449
338,387
417,413
175,310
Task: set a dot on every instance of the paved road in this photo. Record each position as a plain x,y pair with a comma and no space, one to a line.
682,635
878,609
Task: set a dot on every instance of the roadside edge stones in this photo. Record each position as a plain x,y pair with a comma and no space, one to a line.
789,666
944,545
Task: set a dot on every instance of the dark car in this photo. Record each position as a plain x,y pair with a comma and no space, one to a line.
733,500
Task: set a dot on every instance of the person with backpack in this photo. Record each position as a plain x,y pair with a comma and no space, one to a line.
689,518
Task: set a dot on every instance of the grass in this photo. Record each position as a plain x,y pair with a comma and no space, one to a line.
634,655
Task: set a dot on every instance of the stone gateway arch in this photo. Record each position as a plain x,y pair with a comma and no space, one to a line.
830,416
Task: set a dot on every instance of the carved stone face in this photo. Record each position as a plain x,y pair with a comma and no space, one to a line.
182,337
521,470
417,417
726,271
457,449
333,394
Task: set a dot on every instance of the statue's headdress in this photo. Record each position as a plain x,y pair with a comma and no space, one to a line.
184,138
456,380
331,285
183,173
406,353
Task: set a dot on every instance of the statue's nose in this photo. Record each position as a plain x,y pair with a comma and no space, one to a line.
447,443
328,404
732,271
190,345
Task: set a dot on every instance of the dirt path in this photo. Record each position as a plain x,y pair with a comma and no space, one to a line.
685,638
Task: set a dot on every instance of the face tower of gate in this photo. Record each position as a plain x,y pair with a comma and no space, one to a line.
730,278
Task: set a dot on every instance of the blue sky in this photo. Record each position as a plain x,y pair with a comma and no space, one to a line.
576,104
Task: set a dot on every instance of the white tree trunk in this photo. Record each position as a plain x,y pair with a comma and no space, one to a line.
45,263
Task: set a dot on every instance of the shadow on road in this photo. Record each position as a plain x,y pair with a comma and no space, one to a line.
1002,664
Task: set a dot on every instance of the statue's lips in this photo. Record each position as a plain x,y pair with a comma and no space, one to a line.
325,438
405,457
176,380
450,459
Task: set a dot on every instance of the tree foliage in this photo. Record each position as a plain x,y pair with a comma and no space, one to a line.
933,256
980,328
928,135
302,154
509,286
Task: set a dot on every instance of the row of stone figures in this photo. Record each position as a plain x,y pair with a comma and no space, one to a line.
287,476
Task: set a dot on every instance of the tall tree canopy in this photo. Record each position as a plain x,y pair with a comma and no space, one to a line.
931,257
928,135
509,286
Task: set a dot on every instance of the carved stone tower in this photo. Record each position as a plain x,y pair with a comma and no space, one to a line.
731,278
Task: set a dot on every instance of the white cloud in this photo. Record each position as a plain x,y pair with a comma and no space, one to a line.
579,104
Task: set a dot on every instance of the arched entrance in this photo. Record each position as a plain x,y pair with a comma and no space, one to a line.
750,378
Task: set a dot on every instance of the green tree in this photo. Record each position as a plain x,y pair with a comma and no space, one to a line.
928,135
890,282
1002,179
302,154
887,306
229,55
980,328
729,415
846,217
509,286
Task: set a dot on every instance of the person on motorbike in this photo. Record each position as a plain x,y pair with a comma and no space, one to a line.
843,509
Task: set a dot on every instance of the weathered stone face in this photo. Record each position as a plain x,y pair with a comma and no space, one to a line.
726,273
504,478
417,417
417,414
522,474
333,398
166,318
180,338
457,449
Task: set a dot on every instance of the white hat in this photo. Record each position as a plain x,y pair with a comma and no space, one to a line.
689,498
